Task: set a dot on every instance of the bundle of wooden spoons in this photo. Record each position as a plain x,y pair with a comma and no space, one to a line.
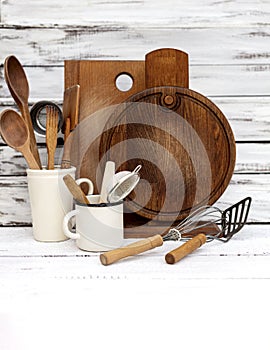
18,86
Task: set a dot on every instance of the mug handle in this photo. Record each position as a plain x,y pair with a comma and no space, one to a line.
89,182
66,220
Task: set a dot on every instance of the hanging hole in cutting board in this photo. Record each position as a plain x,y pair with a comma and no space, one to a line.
124,82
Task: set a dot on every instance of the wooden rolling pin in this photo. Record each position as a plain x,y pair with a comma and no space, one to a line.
131,249
185,249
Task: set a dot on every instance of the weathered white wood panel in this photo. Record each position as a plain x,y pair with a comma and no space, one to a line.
249,118
19,242
15,210
245,256
250,158
13,163
210,80
49,46
151,13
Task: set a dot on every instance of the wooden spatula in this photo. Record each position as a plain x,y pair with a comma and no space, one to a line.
75,189
71,118
51,135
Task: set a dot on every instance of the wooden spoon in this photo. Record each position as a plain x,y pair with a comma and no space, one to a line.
15,132
18,86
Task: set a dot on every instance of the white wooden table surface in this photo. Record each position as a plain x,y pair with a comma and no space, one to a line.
54,296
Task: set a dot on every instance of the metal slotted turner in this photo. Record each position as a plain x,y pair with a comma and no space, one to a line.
232,221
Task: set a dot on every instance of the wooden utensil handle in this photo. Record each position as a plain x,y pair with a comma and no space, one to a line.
185,249
131,249
33,143
50,160
30,159
66,162
75,189
67,129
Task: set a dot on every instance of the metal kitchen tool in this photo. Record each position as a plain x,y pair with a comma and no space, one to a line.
125,183
203,225
38,116
231,221
15,132
18,86
51,135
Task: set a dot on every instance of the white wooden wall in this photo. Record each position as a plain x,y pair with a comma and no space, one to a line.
228,43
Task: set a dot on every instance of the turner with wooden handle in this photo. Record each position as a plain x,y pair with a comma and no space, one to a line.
185,249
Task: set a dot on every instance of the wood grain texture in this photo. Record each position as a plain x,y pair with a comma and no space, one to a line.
53,45
248,116
18,242
173,145
97,81
250,158
215,261
228,45
226,41
172,63
187,248
15,209
148,13
210,80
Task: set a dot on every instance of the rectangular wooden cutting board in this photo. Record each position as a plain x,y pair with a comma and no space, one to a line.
97,82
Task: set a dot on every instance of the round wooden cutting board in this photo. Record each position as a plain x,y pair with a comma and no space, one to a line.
184,143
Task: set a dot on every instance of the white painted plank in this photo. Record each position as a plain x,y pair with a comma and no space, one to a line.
13,163
255,186
249,117
47,83
15,210
212,81
250,158
150,265
50,46
14,199
151,13
18,242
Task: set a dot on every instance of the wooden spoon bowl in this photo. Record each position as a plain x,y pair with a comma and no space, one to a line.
15,132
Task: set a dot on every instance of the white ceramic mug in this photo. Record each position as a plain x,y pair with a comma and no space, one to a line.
50,200
99,226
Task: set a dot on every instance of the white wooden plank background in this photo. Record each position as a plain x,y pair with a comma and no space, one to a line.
148,13
228,45
52,45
